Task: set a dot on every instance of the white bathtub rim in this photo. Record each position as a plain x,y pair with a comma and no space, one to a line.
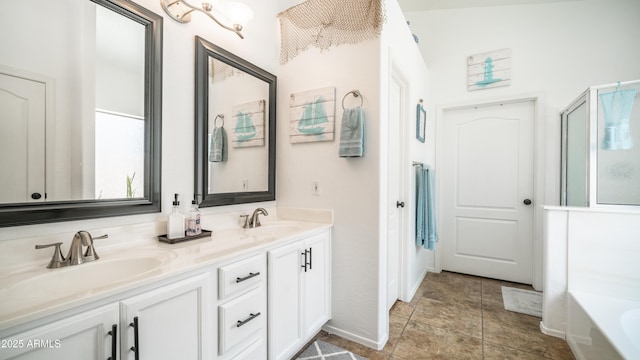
606,312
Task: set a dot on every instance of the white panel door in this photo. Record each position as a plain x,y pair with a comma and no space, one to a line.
394,173
487,191
22,139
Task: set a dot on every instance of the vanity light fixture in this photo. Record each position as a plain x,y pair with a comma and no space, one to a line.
235,13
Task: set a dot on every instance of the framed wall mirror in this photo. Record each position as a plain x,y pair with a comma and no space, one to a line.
235,128
80,110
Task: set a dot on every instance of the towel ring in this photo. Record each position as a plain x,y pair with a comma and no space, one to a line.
215,121
356,93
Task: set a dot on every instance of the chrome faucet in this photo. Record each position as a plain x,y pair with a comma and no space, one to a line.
255,221
75,256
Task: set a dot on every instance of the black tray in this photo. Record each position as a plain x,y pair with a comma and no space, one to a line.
203,234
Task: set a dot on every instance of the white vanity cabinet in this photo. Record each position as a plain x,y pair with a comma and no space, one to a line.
242,309
86,336
173,322
299,293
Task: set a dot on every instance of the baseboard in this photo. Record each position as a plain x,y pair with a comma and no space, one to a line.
552,332
416,286
357,338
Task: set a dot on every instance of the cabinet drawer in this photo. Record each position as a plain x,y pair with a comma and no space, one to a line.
240,276
241,318
257,350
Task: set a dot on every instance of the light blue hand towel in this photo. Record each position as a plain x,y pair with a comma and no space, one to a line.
352,133
426,232
420,235
218,145
431,232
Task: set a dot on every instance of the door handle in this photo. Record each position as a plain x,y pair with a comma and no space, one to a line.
399,204
527,202
305,260
136,347
114,342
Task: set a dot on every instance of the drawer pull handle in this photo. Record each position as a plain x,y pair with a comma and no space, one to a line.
251,317
239,279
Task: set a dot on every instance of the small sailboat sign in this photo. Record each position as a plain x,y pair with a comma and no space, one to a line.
245,129
248,129
312,115
314,118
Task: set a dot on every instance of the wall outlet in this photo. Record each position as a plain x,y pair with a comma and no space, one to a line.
315,187
245,184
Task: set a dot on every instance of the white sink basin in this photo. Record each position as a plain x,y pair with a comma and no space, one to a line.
276,228
21,288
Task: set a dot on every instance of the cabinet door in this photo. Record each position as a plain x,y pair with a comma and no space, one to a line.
316,298
82,337
284,290
173,321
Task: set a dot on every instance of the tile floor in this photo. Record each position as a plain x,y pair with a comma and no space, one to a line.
455,316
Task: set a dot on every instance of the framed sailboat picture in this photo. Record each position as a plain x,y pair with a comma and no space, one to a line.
312,115
248,124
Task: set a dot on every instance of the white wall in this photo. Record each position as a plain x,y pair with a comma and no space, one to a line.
348,186
558,50
356,189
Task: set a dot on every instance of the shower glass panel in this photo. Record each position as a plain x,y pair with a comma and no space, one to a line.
576,130
601,147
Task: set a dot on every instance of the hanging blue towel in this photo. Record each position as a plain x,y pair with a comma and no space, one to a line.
430,212
352,133
420,234
426,232
617,106
218,145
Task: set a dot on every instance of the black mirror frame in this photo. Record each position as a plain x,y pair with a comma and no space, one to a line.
204,50
32,213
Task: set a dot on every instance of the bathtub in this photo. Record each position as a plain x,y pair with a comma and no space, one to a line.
601,327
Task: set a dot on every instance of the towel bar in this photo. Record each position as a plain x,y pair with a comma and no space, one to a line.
356,93
215,121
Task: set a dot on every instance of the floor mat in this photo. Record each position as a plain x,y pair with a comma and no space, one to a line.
322,350
522,301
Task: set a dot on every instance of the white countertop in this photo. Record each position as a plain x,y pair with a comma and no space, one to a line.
29,293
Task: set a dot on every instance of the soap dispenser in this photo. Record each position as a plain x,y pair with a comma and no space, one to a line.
175,222
193,220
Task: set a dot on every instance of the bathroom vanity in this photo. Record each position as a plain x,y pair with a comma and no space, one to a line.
212,298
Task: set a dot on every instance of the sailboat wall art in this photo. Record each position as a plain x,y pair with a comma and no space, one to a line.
489,70
248,124
312,115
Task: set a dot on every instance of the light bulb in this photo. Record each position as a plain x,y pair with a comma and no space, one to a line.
238,13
